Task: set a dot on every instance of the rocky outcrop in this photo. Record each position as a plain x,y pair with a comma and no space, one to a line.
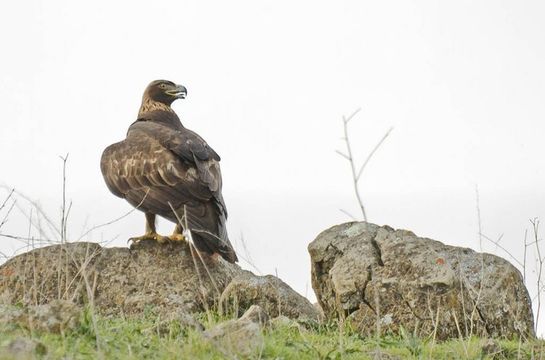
161,278
382,279
149,277
270,293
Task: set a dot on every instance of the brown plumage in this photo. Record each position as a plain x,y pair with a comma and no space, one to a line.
162,164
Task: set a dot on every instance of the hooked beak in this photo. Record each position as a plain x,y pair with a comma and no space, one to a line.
179,92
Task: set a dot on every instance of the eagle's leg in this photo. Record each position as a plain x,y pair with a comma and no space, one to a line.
151,232
177,234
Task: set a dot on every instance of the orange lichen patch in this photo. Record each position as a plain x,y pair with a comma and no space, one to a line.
7,272
440,261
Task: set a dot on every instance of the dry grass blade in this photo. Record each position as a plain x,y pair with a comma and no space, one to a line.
539,260
247,258
497,243
189,237
40,213
3,205
116,219
64,214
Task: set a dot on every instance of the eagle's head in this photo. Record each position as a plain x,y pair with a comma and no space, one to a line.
164,92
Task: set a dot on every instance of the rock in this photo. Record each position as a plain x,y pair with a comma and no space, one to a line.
381,355
160,279
381,278
174,321
149,277
22,348
188,321
269,292
256,314
321,315
491,348
285,322
10,314
58,316
240,337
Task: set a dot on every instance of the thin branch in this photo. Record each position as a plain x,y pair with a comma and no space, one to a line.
373,152
348,214
347,119
352,165
349,156
343,155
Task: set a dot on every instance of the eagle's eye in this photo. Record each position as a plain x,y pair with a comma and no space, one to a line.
163,86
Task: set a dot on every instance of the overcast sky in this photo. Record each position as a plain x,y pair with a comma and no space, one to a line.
461,82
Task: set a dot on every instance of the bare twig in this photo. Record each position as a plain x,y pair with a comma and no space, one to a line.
373,152
347,214
356,175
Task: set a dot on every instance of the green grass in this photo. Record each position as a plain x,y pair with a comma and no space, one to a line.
149,337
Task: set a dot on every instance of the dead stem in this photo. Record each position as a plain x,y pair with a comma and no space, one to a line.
356,175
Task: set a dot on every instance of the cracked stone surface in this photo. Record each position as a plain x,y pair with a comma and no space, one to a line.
381,278
148,278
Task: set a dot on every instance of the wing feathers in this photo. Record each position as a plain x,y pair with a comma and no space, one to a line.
173,166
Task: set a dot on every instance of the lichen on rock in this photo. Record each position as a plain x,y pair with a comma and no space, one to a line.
382,279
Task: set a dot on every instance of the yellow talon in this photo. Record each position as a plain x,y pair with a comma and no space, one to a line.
177,237
159,238
149,236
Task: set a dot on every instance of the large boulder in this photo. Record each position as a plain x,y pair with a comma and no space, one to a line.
164,279
148,277
381,279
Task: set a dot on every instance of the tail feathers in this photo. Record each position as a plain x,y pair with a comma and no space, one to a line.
210,233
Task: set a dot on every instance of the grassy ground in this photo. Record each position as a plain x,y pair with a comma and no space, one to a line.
150,338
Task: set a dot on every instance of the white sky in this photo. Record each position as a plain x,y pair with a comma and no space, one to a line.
462,82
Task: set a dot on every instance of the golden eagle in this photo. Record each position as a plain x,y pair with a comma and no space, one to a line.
164,169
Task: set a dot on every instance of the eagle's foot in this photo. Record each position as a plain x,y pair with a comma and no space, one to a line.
177,237
149,236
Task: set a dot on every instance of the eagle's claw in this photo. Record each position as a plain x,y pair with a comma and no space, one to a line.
154,236
148,236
